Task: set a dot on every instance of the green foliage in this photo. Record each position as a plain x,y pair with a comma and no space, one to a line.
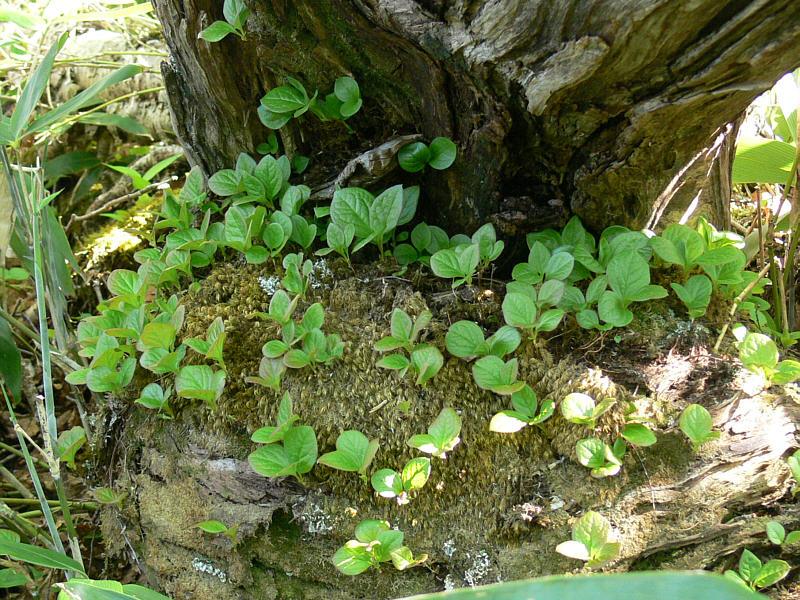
403,485
628,276
235,13
440,155
215,527
279,105
41,557
592,541
759,354
295,455
373,218
211,346
459,263
424,360
425,240
603,460
376,543
493,374
354,452
756,575
465,340
793,462
581,409
102,589
69,442
526,411
776,534
442,436
141,181
154,397
200,382
696,423
695,294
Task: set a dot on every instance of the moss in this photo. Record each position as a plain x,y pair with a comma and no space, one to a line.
496,508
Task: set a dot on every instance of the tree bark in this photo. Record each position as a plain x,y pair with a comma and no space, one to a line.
586,107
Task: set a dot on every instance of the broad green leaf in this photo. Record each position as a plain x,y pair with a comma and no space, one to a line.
212,526
771,573
696,423
758,350
519,310
385,211
638,434
226,182
284,99
416,473
200,382
760,160
442,153
776,533
414,157
354,452
41,557
350,206
69,442
352,559
426,361
464,339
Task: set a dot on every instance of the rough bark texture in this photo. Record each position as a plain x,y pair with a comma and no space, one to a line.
592,107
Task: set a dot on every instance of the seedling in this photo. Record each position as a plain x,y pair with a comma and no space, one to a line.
522,309
200,382
759,354
465,340
425,240
629,278
211,347
695,294
794,466
215,527
602,459
282,103
756,575
388,483
526,411
458,264
442,436
404,331
696,423
491,373
776,534
376,543
294,456
297,275
592,541
414,157
154,397
581,409
235,13
354,452
286,418
68,444
543,265
424,360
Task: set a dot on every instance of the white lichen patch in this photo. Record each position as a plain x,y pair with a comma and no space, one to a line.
479,569
449,548
269,284
203,566
320,274
315,520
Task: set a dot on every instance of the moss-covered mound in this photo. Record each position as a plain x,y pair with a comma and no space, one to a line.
493,510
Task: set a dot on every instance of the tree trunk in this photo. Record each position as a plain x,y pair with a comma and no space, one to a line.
592,107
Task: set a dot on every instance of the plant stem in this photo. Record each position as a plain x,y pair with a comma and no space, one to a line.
739,299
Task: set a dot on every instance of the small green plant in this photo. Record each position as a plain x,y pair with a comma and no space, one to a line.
756,575
290,450
759,354
523,309
211,346
68,444
695,294
793,463
696,423
603,460
141,181
402,486
156,343
442,436
637,433
426,240
215,527
592,541
414,157
465,340
339,239
282,103
424,360
776,533
376,543
493,374
373,218
111,368
200,382
628,277
235,13
459,263
526,411
354,453
581,409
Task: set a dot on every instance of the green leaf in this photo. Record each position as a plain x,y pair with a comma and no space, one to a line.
354,452
217,31
696,294
426,360
212,526
696,423
771,573
104,119
613,309
414,156
464,339
10,362
301,447
415,473
749,566
519,310
760,160
11,578
346,90
578,408
41,557
350,206
285,99
385,211
33,90
69,442
504,341
491,373
758,350
442,153
776,533
224,183
638,434
200,382
592,530
352,558
573,549
788,371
